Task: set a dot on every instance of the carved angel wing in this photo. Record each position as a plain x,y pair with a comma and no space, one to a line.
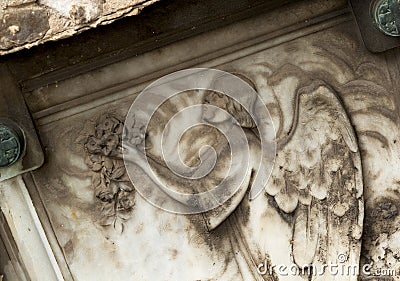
317,178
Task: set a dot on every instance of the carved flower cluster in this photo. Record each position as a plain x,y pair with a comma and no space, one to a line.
109,180
107,138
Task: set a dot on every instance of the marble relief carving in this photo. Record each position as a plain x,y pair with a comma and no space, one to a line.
374,121
109,180
335,111
373,107
316,186
318,179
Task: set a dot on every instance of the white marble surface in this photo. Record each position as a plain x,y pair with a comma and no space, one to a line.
165,246
27,231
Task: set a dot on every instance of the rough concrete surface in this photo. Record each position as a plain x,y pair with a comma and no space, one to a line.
26,23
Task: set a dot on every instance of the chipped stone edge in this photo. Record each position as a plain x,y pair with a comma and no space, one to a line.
103,20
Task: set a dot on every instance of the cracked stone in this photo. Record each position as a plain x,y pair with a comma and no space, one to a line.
15,3
22,25
80,11
14,29
27,23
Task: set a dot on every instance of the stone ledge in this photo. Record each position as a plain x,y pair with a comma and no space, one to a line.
27,23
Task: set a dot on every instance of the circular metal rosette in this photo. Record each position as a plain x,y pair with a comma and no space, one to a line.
11,144
174,119
387,16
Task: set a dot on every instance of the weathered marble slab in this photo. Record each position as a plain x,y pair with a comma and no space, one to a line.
317,75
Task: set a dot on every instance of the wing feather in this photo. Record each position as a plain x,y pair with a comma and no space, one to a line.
323,188
305,234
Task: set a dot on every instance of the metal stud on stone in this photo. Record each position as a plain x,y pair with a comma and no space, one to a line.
387,16
10,145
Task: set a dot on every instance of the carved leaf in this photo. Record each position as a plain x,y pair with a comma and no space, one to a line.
118,172
125,187
119,226
93,163
124,216
107,221
108,164
108,209
104,192
96,180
